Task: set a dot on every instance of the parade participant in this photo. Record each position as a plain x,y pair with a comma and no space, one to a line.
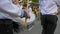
8,11
49,15
16,2
30,21
30,9
16,25
21,4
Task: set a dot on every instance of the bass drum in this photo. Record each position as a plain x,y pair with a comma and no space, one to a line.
30,22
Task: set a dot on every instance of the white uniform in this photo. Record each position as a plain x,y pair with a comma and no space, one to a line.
8,10
49,6
30,9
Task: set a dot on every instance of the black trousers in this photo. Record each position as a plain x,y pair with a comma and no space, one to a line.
6,26
48,23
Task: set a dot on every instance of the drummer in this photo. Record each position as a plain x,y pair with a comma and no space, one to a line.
19,5
8,11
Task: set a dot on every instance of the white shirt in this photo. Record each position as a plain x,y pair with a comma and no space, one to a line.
57,2
30,9
21,6
9,10
49,6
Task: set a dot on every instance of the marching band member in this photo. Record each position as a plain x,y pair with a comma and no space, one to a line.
18,4
30,22
9,11
48,15
21,4
30,9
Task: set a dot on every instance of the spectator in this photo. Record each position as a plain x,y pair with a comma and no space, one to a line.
49,15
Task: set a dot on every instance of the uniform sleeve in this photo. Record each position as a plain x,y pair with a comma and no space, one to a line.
10,8
57,2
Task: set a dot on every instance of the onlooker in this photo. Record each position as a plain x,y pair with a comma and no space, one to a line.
49,15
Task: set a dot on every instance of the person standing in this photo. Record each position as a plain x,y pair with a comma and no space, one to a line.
49,15
9,11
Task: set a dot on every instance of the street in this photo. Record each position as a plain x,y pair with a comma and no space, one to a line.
38,28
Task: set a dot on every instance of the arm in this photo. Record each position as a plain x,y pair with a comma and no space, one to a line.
10,8
57,2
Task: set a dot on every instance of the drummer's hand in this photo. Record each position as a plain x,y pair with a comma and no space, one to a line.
24,24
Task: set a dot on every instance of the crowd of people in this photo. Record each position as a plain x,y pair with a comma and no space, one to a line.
23,5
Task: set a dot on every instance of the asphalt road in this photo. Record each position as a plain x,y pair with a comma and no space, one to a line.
38,28
58,26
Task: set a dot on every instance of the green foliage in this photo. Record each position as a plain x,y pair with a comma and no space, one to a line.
36,1
33,1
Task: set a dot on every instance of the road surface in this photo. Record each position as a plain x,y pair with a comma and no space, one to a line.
38,28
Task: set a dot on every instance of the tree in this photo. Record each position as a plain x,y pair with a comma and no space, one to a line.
36,1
